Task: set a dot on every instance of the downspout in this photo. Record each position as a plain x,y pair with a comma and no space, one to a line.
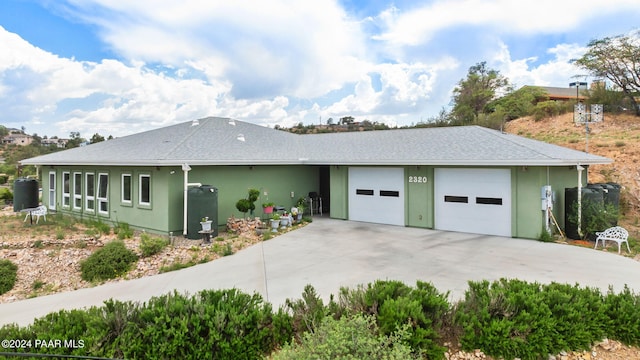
580,169
186,168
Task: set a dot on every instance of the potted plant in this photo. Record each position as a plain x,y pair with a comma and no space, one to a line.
206,223
268,207
275,222
284,220
301,204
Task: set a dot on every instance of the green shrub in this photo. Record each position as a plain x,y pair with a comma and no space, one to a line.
550,108
354,337
307,313
8,275
6,195
545,236
395,304
123,230
512,318
109,262
227,324
151,245
623,310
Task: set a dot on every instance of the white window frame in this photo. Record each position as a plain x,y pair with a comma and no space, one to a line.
90,196
103,199
77,191
66,189
129,190
140,190
52,190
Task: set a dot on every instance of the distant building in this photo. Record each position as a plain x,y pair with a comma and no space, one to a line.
59,143
564,94
17,137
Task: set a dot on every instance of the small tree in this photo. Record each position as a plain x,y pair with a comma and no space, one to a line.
617,59
248,204
595,216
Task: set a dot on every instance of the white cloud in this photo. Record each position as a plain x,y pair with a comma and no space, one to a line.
302,48
282,61
418,25
556,72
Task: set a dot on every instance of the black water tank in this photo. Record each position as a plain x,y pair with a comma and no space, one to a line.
593,195
25,194
202,201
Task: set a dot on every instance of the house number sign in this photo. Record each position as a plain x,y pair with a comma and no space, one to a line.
418,179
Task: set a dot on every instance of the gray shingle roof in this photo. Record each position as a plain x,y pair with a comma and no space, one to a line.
217,141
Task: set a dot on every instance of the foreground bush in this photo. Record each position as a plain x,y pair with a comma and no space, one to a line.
513,318
353,337
385,319
422,309
109,262
8,275
220,324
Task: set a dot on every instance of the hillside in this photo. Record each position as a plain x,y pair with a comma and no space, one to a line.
617,137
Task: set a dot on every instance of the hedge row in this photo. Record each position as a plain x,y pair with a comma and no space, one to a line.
506,318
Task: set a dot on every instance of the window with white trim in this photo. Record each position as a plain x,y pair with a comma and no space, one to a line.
89,192
144,190
126,189
66,189
103,193
77,191
52,190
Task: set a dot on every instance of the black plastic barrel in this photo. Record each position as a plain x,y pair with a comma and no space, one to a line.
25,194
202,201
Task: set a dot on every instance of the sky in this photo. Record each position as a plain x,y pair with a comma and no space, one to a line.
117,67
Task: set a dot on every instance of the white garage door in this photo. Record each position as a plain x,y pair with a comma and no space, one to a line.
376,195
473,200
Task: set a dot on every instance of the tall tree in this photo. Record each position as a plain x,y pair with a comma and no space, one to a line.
96,138
617,59
74,140
472,94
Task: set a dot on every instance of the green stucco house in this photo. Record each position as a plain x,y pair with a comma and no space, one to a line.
468,179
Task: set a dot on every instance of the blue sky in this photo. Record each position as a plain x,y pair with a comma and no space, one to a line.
117,67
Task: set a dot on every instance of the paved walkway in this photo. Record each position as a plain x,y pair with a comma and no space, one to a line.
330,253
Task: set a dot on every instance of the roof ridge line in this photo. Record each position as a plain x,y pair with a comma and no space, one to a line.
517,143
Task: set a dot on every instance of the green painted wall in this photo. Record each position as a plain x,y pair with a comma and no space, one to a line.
419,196
276,183
529,217
165,212
339,183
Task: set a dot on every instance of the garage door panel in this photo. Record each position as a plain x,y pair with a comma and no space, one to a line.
376,195
473,200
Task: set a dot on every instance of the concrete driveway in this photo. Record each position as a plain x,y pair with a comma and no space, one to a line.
332,253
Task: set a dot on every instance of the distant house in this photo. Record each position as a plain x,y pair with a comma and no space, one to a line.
564,94
55,142
467,178
17,137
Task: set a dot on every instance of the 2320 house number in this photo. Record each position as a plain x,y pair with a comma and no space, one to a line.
417,179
